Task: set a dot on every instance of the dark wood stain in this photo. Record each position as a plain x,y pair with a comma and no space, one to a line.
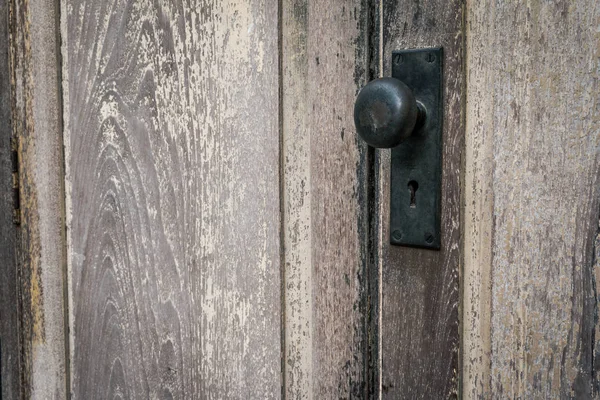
9,300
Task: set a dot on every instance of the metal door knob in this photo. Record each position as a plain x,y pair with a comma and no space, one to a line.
386,112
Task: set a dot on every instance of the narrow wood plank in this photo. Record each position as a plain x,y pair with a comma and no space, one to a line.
532,200
324,169
9,320
172,156
420,288
37,131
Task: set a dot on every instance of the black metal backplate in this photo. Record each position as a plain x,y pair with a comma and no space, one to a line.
417,162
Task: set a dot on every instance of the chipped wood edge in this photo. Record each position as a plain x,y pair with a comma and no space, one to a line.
68,206
36,111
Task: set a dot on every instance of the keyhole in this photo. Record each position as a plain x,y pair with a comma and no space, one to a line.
413,186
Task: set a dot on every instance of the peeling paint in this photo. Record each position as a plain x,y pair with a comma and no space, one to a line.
531,200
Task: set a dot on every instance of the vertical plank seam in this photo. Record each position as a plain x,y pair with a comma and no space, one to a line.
63,196
67,187
282,290
374,241
380,233
463,202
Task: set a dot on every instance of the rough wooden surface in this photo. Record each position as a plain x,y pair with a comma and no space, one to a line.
36,123
532,200
9,319
323,166
420,288
172,157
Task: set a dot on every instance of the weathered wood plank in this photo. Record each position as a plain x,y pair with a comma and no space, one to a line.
532,200
37,131
324,186
9,319
420,288
172,157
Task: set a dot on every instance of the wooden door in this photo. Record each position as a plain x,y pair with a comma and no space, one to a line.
187,211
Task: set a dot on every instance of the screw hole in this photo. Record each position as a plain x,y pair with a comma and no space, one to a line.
429,238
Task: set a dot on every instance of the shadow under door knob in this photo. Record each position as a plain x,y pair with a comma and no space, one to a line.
386,112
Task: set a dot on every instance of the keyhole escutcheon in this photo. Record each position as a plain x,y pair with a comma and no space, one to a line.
413,186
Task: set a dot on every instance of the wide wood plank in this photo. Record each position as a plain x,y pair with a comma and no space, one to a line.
324,57
532,198
172,156
420,288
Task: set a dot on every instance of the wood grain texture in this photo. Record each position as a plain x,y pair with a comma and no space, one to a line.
172,156
420,288
532,200
9,317
324,186
37,132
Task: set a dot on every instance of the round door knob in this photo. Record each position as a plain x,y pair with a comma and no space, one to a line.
386,112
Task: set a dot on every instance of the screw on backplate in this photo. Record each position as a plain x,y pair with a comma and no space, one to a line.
397,235
398,59
430,57
429,238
